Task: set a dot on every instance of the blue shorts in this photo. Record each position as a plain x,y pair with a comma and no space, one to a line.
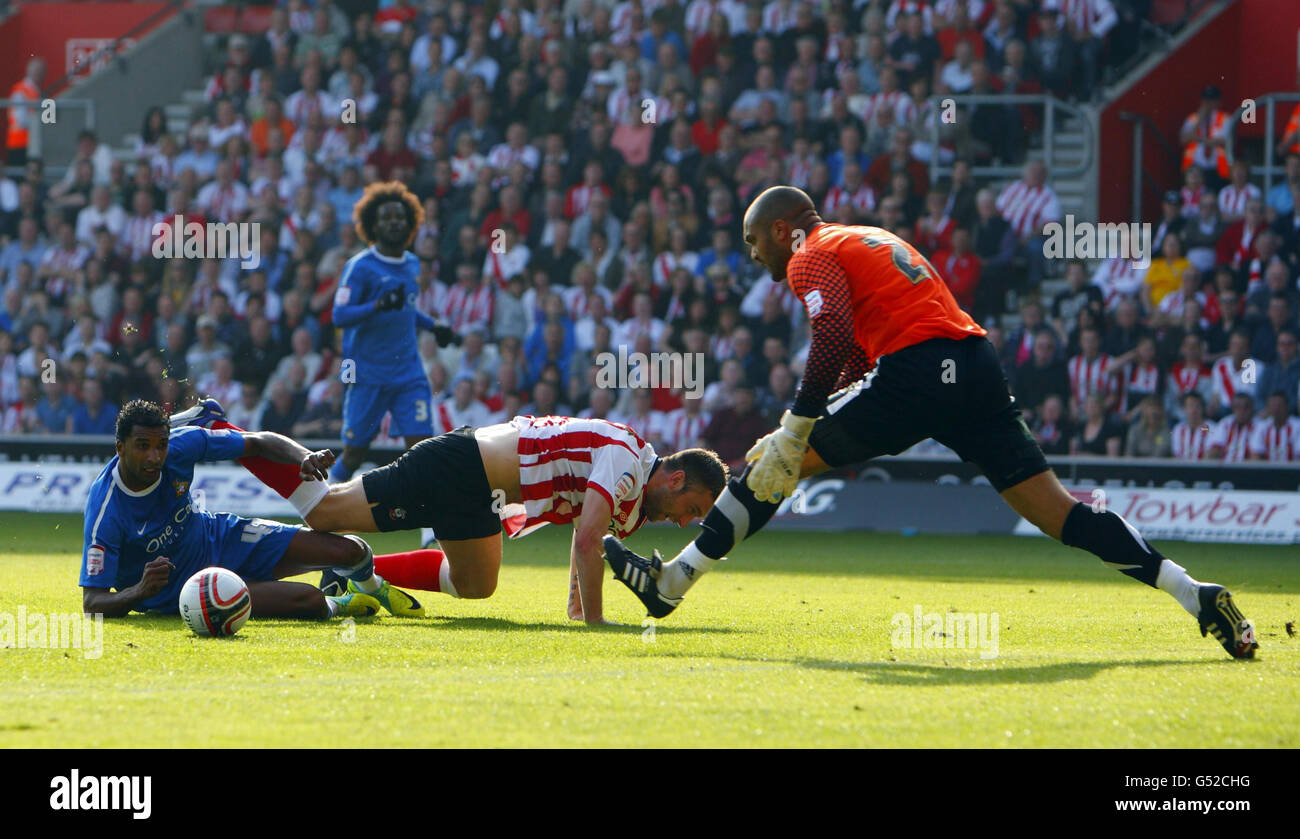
364,406
249,547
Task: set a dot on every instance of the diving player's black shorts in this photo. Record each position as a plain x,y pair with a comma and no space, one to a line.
440,483
953,391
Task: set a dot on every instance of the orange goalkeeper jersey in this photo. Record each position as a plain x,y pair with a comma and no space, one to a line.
866,285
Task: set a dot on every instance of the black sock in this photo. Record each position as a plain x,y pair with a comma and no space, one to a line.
735,510
1117,542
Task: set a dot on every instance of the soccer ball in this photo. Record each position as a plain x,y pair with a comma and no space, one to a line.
215,602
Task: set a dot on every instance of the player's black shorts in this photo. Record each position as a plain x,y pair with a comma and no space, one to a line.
440,483
953,391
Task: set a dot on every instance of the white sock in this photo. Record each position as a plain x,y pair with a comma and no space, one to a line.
444,579
681,573
371,585
427,537
334,606
1172,578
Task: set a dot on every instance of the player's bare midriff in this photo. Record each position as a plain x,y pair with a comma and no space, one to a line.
498,445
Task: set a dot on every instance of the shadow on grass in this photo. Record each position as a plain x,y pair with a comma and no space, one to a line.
903,674
506,625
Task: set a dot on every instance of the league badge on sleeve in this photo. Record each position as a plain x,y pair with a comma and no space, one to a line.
95,560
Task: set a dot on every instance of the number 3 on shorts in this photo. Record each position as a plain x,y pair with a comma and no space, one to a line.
421,410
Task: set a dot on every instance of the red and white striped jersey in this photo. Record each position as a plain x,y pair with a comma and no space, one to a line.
1140,380
465,308
137,237
862,199
577,300
1232,201
667,262
1237,441
1184,378
778,16
223,203
1088,377
560,458
1118,278
57,259
680,430
1091,18
1192,443
1278,443
1028,208
1227,379
1191,201
903,106
579,198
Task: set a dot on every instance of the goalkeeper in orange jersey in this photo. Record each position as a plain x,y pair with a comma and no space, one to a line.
893,361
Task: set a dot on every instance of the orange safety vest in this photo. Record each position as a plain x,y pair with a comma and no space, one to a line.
1293,124
1221,162
19,114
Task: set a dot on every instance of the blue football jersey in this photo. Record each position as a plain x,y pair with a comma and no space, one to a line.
125,529
381,344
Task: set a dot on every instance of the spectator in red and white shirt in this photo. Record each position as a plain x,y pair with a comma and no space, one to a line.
1190,193
461,409
1235,435
1234,197
138,234
1192,438
959,267
852,203
1189,374
224,199
1091,372
310,100
1027,205
507,255
468,303
1235,373
1277,438
934,230
1237,244
514,150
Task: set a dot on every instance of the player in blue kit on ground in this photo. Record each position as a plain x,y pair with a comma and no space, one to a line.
375,308
145,536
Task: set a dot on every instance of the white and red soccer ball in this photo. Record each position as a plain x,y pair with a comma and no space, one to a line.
215,602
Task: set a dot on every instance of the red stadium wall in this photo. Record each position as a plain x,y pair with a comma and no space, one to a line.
1248,50
49,30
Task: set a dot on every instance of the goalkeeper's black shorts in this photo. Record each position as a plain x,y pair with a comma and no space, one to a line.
953,391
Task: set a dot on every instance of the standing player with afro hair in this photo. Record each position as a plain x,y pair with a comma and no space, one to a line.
374,306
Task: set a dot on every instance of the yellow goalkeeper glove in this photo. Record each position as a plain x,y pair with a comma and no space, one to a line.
778,457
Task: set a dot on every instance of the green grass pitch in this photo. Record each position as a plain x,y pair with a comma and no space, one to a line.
786,644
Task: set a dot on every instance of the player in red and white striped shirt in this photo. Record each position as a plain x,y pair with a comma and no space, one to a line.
1278,436
1192,437
597,475
1234,437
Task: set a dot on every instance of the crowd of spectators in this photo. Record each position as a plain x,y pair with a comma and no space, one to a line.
584,167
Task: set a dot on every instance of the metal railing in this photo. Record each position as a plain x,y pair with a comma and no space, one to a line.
1140,175
1050,106
1268,102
